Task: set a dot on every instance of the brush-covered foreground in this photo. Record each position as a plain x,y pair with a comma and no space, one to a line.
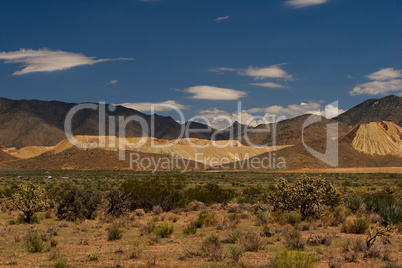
243,220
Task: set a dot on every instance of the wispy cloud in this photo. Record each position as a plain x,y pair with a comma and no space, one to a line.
273,71
214,93
158,106
113,82
304,3
46,60
222,18
268,84
383,81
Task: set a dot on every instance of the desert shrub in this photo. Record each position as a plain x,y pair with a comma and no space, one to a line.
357,226
166,192
29,198
60,263
315,240
205,219
252,242
290,259
262,218
164,230
266,232
211,247
35,243
392,214
210,193
353,202
293,239
78,202
190,229
232,238
114,233
93,256
235,252
336,216
118,203
307,196
136,252
251,195
292,217
147,227
53,242
374,202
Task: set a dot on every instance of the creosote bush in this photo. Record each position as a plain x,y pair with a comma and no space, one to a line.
211,247
78,202
114,233
165,230
357,226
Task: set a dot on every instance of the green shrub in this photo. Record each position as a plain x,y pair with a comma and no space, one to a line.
293,259
29,199
166,192
252,242
78,202
293,239
392,214
147,228
357,226
233,238
165,230
60,263
262,218
210,193
205,219
35,243
354,202
235,252
374,202
211,247
190,229
292,217
114,233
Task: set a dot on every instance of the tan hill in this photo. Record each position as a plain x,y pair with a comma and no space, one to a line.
200,150
377,138
97,159
30,151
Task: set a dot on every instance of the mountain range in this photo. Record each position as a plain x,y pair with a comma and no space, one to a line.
32,136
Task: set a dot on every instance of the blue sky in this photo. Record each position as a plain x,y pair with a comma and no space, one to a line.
276,57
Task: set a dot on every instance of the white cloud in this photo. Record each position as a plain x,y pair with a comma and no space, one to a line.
385,74
214,93
113,82
222,18
268,84
255,116
162,106
273,71
45,60
377,87
305,3
220,119
384,81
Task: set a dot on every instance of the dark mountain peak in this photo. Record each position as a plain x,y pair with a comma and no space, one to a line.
388,108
